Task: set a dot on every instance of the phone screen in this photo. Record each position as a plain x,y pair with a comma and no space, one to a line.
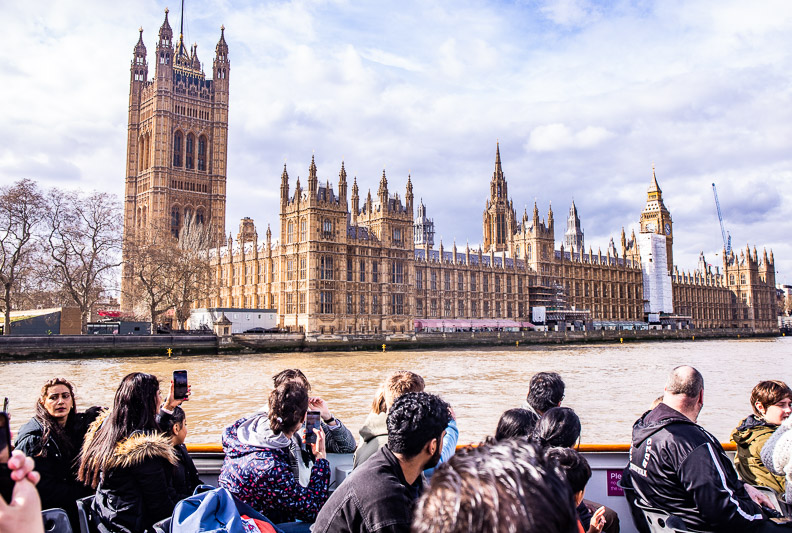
179,384
5,438
312,420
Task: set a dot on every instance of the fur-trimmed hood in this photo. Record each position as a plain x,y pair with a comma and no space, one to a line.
135,449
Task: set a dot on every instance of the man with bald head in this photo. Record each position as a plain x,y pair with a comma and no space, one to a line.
677,466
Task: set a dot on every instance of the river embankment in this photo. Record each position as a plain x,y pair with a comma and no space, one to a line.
89,346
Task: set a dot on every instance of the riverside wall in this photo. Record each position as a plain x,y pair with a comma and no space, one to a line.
78,346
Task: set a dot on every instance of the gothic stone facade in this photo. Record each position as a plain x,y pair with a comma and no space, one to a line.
177,138
341,266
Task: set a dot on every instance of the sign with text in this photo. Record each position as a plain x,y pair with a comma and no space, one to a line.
614,476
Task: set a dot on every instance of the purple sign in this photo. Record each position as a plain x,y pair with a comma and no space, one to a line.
614,476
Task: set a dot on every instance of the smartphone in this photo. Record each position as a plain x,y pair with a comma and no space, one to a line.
179,384
312,420
5,438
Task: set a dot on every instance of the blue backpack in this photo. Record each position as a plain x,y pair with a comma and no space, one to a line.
214,511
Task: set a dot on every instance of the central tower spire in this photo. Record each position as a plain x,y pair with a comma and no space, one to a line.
499,218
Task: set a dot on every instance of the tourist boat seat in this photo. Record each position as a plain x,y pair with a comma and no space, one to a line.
163,526
648,519
84,515
56,521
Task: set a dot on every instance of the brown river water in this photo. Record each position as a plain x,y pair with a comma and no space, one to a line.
609,386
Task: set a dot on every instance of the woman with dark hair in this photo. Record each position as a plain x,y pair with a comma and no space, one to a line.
53,438
771,402
185,475
256,468
129,460
516,423
559,427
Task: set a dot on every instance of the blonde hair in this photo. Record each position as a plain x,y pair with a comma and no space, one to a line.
398,383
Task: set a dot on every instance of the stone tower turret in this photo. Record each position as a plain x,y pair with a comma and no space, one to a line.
573,237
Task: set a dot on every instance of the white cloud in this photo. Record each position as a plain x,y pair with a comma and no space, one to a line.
568,12
553,137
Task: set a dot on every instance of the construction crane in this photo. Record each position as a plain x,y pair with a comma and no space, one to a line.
725,234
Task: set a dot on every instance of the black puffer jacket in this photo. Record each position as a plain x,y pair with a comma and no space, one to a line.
136,487
185,475
679,467
55,461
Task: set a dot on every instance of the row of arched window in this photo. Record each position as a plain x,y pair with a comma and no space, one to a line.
184,151
179,216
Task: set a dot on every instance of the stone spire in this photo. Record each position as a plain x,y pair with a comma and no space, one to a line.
408,197
382,192
284,188
355,201
342,185
313,181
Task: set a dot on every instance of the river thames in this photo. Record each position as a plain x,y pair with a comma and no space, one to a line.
609,386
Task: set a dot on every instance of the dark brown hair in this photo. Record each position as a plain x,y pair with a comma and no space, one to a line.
769,393
134,409
291,374
48,423
288,404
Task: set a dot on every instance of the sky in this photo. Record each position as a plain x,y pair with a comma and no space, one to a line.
583,96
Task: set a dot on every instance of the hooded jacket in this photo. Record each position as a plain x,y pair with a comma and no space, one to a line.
256,470
677,466
135,488
750,437
55,461
373,435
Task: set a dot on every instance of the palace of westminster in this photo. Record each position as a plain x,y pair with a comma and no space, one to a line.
352,264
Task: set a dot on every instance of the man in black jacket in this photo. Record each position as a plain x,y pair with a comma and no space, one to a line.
379,495
677,466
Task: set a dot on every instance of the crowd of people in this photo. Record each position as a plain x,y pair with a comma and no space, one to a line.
409,474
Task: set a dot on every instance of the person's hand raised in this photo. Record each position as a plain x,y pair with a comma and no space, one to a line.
318,447
23,513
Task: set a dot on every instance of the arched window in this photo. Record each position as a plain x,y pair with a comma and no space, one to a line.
202,153
303,230
177,148
188,214
141,151
189,152
199,216
146,151
175,221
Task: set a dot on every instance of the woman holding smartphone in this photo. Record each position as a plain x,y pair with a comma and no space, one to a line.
53,438
129,461
257,469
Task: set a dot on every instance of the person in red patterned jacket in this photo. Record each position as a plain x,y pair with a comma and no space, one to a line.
256,467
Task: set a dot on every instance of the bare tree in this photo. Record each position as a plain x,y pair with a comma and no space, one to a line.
150,266
21,209
83,238
193,274
167,272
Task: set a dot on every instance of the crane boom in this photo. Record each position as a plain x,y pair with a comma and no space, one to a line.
726,240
